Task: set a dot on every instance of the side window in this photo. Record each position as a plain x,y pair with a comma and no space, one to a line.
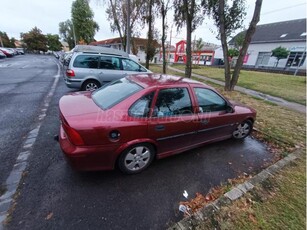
107,62
141,107
86,61
209,101
173,102
130,65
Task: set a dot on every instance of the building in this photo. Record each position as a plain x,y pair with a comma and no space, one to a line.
288,34
138,46
177,53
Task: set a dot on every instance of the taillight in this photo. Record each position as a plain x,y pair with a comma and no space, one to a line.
72,134
70,73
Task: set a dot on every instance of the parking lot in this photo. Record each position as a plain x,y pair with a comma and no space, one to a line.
53,196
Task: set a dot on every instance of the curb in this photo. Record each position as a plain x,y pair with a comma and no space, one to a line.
235,193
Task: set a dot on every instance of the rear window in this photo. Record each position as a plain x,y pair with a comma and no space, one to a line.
115,92
86,61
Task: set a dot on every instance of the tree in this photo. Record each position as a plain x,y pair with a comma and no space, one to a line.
53,42
280,53
188,13
149,14
5,39
199,44
164,7
66,33
233,52
117,16
229,18
35,40
12,42
82,21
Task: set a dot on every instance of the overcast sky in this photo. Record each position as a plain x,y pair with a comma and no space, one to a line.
21,16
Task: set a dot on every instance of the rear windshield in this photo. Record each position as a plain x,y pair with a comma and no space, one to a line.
115,92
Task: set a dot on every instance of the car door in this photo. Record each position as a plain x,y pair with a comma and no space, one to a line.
110,69
85,66
173,121
214,120
131,67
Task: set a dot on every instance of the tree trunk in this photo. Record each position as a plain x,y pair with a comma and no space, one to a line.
248,37
224,44
163,37
116,22
150,35
189,19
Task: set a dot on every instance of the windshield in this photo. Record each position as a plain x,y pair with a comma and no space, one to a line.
114,93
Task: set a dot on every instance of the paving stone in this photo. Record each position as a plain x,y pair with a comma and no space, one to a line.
245,187
234,194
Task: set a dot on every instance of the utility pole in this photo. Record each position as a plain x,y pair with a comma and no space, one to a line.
128,28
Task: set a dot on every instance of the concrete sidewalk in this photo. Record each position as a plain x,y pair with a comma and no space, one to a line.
276,100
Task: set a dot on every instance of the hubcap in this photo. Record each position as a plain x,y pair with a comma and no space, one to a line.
241,131
137,158
91,87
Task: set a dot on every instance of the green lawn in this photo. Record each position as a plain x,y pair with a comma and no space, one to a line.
291,88
277,203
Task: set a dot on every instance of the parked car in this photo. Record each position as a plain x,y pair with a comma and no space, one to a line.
139,118
7,52
2,55
20,51
90,67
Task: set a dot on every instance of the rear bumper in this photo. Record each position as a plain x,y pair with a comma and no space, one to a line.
92,158
72,83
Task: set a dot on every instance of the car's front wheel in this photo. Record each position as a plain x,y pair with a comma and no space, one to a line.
90,85
137,158
243,130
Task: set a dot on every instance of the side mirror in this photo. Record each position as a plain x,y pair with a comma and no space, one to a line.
229,109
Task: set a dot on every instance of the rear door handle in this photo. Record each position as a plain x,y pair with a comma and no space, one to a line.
160,127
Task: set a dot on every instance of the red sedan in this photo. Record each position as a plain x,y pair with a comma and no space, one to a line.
136,119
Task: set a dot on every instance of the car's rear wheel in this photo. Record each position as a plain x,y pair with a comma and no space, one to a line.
243,130
90,85
136,159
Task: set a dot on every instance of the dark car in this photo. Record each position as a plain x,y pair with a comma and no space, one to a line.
134,120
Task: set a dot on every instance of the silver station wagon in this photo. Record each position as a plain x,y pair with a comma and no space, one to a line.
90,67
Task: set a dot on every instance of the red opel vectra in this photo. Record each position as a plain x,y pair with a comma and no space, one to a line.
136,119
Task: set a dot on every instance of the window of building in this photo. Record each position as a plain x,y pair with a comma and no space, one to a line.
296,59
304,34
283,35
263,58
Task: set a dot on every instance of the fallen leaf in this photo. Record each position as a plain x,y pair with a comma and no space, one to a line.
252,218
49,216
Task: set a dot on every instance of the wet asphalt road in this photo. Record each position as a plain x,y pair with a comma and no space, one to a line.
23,83
53,196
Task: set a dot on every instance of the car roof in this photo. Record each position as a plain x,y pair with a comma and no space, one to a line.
154,80
99,50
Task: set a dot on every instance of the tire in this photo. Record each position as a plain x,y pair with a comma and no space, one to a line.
243,130
90,85
136,159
